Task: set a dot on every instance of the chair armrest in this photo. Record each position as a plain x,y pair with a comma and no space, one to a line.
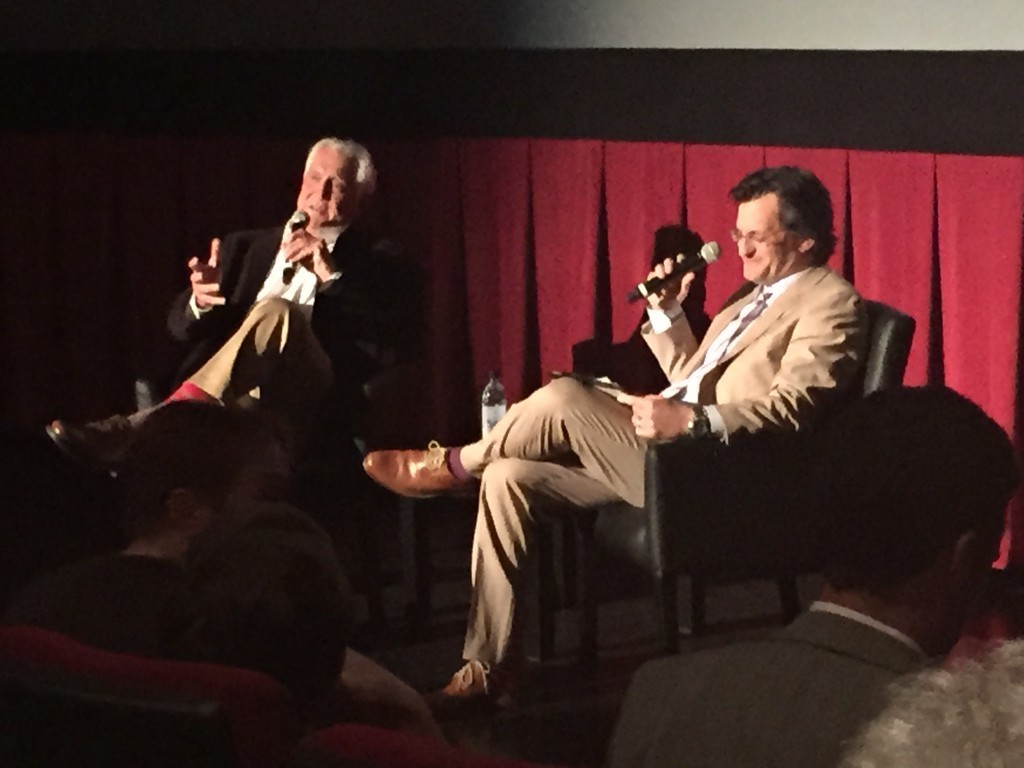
746,509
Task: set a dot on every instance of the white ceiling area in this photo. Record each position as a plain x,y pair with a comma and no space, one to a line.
389,24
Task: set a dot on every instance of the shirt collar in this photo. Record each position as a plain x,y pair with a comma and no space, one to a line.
862,618
776,289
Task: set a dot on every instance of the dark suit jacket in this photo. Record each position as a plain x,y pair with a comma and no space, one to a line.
370,315
792,700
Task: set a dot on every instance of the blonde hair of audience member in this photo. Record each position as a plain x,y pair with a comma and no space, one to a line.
969,717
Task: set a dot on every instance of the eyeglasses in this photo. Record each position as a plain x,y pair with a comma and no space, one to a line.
757,238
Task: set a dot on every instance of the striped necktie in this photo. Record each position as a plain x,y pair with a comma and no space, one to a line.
750,313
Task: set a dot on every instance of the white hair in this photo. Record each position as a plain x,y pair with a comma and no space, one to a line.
366,173
969,717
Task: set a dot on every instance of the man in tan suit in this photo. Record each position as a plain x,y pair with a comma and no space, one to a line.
770,360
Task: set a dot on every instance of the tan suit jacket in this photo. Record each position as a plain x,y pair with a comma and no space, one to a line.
802,352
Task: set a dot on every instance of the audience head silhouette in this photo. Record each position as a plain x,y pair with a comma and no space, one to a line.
194,464
919,480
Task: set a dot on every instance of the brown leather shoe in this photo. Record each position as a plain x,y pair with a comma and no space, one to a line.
476,682
101,443
413,473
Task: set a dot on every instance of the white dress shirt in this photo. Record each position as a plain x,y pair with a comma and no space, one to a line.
301,289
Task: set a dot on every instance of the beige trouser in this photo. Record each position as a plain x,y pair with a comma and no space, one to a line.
565,444
273,358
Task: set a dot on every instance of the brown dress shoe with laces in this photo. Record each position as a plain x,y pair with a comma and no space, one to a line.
102,444
477,682
413,473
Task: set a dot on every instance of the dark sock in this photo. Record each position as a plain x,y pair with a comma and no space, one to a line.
454,464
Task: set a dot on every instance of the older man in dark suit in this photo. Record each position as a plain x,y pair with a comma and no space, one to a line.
919,481
284,316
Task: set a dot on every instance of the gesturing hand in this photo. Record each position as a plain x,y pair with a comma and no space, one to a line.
304,249
665,296
205,278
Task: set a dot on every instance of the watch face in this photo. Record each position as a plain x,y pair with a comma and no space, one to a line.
699,425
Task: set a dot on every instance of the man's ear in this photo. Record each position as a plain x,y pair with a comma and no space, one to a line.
972,555
806,245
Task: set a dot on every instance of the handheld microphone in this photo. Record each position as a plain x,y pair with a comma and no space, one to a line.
299,220
684,266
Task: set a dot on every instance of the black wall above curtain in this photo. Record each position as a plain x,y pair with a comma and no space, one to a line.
964,102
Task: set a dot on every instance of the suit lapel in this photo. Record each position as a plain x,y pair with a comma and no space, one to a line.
776,311
258,262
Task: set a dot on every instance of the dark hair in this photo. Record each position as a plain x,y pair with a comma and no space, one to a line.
805,206
909,471
187,444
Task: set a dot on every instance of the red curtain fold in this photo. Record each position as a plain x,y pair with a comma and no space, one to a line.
154,255
421,198
496,232
711,171
214,193
274,175
829,165
566,184
29,259
981,304
892,198
88,344
643,191
980,208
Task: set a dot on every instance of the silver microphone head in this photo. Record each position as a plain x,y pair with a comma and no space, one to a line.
710,252
298,220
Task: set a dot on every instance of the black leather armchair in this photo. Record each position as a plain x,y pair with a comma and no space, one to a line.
717,512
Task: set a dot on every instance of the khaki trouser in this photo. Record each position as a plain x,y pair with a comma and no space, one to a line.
565,444
272,358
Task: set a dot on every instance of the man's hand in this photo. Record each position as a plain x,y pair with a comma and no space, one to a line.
656,417
666,297
205,278
304,249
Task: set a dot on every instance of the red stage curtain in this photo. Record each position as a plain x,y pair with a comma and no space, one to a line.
893,216
566,178
95,233
274,173
711,171
980,208
643,191
420,188
29,264
152,241
497,234
980,268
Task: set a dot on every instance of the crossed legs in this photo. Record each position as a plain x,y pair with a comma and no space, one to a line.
565,445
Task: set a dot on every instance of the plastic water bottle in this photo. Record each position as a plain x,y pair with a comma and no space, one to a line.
492,403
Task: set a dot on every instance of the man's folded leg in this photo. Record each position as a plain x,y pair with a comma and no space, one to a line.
273,353
563,418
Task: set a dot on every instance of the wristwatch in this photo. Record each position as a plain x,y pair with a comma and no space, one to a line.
699,424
